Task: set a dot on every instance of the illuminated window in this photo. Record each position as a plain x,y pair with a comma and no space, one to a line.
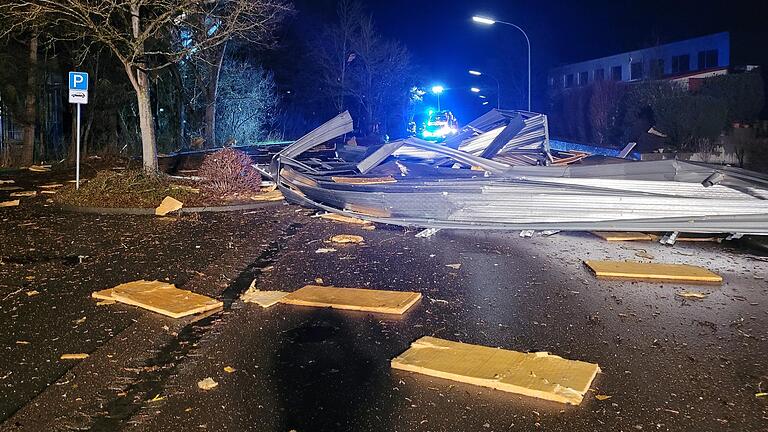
681,64
616,73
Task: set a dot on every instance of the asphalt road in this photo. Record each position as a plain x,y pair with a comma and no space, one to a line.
668,363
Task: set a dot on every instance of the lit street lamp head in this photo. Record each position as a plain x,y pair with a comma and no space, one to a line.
475,73
437,89
474,90
483,20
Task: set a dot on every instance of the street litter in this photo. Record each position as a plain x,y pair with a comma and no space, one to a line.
358,299
160,297
344,219
346,238
692,295
454,266
168,205
23,194
207,384
270,196
40,168
612,236
652,271
499,172
264,299
602,397
7,181
12,203
32,293
10,188
79,356
51,186
325,250
541,375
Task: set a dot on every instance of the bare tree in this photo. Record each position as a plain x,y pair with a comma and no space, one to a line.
247,103
147,35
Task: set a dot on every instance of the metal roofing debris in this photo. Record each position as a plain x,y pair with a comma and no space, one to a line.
539,374
517,186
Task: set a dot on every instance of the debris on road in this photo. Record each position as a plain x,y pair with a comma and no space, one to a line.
9,181
207,384
499,172
344,219
692,295
79,356
229,369
264,299
10,188
23,194
270,196
454,266
51,186
346,238
168,205
325,250
540,375
40,168
160,297
602,397
652,271
32,293
12,203
358,299
613,236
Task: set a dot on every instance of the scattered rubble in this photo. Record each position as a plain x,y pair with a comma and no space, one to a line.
168,205
358,299
160,297
539,375
207,384
652,271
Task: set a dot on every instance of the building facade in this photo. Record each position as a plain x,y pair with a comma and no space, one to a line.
699,57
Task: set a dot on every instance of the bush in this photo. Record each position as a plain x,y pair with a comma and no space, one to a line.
689,120
228,173
743,94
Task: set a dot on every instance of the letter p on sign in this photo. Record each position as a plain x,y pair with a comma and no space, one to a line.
78,81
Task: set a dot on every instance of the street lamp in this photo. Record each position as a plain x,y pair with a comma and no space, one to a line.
489,21
437,90
498,85
474,90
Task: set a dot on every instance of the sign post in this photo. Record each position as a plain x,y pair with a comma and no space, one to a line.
78,95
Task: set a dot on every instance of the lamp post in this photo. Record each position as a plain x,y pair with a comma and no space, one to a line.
489,21
498,85
437,90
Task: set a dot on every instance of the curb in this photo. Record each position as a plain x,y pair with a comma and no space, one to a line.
151,211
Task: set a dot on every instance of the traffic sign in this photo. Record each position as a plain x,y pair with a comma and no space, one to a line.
78,88
78,81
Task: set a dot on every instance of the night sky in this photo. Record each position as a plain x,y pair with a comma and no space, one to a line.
446,43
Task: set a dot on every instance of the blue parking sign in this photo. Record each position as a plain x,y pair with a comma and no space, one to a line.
78,81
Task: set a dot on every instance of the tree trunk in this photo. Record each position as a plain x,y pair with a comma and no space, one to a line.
30,106
211,93
147,124
140,82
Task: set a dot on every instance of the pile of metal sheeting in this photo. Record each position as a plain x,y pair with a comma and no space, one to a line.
460,184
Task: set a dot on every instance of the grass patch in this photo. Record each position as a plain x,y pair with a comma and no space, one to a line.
130,188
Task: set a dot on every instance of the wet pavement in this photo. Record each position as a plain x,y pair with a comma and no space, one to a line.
668,363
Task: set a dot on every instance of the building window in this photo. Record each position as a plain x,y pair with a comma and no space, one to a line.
569,81
681,64
636,71
616,73
708,59
583,78
599,74
657,68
